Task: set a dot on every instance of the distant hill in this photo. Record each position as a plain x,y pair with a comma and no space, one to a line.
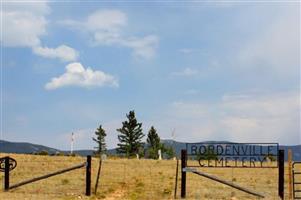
24,147
28,148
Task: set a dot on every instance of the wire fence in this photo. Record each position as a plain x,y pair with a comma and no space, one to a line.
133,179
137,179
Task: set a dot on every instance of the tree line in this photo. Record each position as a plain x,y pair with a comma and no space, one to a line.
131,140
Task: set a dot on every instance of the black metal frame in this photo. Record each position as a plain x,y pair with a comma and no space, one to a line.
11,162
280,166
7,168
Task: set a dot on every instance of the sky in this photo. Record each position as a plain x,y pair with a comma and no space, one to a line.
196,71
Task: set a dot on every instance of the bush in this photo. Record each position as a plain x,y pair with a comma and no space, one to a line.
59,154
43,153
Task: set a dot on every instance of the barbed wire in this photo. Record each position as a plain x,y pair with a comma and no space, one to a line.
149,177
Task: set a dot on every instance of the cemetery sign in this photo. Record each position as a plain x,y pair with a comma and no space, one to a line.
234,155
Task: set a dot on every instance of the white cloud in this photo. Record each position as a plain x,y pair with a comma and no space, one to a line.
107,27
143,47
241,118
77,75
24,24
276,46
106,20
186,72
62,52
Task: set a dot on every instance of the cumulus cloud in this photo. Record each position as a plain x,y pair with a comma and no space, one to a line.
242,118
106,28
77,75
25,23
62,52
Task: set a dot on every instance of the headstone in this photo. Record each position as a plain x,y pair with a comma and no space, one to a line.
159,154
103,156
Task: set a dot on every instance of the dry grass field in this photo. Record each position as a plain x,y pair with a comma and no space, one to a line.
131,179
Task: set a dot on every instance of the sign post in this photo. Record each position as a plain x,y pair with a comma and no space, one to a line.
281,174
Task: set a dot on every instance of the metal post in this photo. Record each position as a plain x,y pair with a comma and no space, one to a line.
183,172
88,176
281,174
6,174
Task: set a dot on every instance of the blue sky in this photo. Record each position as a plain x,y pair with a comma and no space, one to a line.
205,71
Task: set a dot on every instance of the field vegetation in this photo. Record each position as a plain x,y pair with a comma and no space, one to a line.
130,179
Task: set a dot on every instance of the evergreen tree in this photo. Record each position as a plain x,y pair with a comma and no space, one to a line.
169,151
208,155
130,136
153,143
100,140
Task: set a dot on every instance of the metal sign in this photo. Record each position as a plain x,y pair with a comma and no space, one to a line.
12,164
233,155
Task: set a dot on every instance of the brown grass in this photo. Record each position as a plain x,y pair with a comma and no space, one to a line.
131,179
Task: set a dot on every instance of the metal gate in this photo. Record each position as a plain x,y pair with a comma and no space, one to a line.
297,180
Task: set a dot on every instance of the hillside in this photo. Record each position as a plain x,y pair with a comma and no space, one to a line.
24,147
29,148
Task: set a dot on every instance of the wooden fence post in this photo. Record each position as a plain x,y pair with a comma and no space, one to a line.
98,174
289,162
176,182
183,172
281,174
88,176
6,174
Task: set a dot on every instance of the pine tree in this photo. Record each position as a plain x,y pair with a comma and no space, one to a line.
130,136
100,140
153,142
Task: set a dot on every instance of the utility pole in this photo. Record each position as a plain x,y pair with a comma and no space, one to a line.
72,143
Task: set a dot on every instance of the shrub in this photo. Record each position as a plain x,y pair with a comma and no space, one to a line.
43,153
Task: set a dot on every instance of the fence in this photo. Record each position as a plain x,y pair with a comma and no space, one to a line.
219,162
136,179
296,180
32,176
131,179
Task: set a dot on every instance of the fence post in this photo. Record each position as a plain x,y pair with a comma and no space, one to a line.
6,174
176,183
289,162
88,176
183,173
281,174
